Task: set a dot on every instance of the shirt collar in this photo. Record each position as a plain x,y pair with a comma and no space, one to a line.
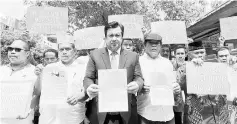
21,68
118,51
147,56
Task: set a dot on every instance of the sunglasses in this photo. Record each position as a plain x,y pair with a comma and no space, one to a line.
10,49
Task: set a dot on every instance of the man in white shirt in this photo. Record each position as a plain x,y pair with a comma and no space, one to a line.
152,61
74,111
20,70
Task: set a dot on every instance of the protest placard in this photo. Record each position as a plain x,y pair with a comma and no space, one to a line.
47,20
54,85
113,96
89,38
172,32
127,18
233,83
210,78
13,8
15,97
228,27
161,90
132,24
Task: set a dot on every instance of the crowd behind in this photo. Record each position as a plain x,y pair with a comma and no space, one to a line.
81,106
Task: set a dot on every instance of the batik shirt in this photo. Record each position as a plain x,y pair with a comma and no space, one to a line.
205,109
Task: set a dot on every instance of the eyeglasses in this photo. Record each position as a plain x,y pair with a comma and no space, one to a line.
10,49
67,49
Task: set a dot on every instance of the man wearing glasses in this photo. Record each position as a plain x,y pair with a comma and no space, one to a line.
18,69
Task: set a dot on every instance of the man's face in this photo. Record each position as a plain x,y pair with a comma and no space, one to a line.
50,57
224,56
18,52
180,55
128,45
200,53
153,49
114,39
165,52
66,52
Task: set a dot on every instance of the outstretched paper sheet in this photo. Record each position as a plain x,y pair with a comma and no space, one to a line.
161,91
15,98
233,83
113,96
54,85
47,20
169,34
210,78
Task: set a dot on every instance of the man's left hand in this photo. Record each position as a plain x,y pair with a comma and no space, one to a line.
132,87
25,115
176,88
73,99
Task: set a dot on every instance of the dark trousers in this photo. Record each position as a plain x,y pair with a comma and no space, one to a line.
143,120
113,119
178,117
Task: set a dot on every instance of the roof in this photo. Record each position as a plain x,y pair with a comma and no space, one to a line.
210,22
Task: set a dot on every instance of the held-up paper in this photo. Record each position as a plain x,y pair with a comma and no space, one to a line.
233,83
54,85
161,90
210,78
15,97
113,96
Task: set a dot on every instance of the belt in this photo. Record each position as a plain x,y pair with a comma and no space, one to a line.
113,116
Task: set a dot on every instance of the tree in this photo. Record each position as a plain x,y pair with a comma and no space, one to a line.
84,14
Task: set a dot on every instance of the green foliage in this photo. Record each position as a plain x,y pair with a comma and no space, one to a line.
84,14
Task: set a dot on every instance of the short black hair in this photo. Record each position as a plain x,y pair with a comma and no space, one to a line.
72,44
221,49
179,47
113,24
51,50
128,39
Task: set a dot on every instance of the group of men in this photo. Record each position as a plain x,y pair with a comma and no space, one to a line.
82,108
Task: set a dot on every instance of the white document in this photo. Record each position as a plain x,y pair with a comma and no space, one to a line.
54,85
161,91
210,78
15,97
113,96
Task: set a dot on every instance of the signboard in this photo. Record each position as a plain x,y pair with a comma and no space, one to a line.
47,20
228,27
13,8
15,98
132,24
210,78
172,32
89,38
127,18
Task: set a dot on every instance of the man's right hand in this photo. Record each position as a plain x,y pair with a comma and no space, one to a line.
197,61
145,89
38,69
92,90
